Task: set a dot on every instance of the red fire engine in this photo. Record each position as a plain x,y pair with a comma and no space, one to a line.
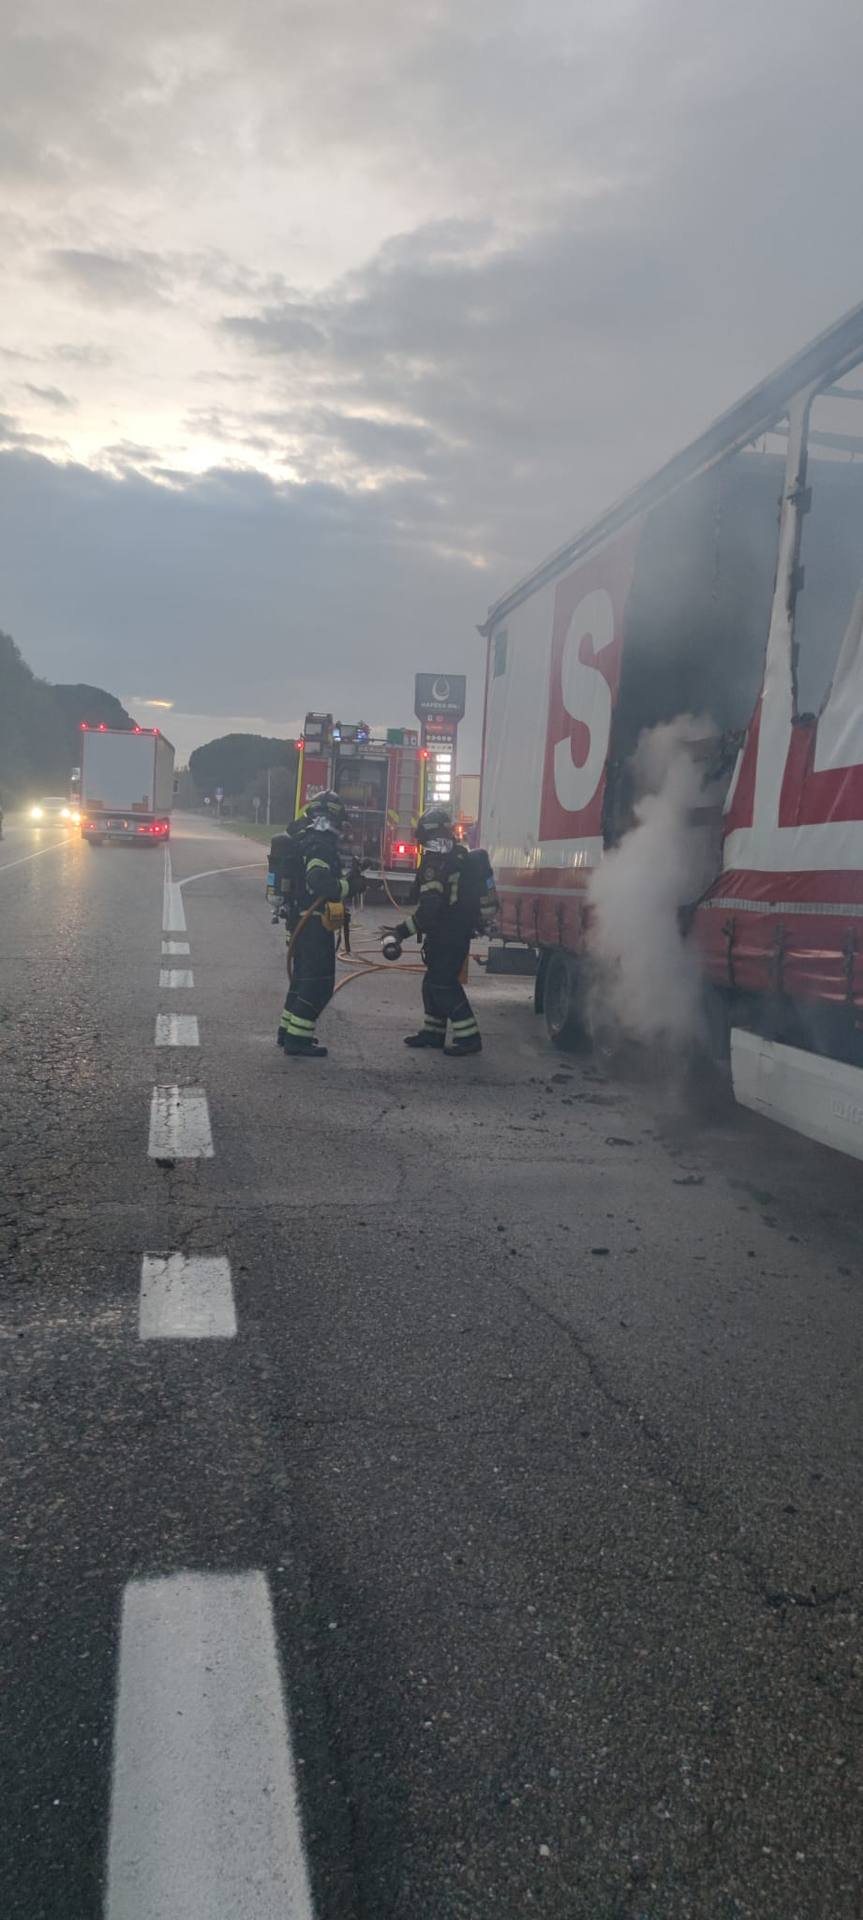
381,782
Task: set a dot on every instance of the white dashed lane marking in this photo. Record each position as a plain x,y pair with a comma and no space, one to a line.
173,916
176,977
180,1124
186,1297
177,1030
176,946
174,920
205,1820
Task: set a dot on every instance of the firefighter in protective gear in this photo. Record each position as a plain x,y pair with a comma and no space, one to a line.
318,888
443,919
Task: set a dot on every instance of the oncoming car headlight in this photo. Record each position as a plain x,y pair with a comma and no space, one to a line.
36,813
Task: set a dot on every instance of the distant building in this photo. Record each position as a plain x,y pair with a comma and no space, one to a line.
467,798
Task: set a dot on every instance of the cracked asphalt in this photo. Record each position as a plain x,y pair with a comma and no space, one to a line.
542,1418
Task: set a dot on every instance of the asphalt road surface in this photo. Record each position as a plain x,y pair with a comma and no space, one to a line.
431,1489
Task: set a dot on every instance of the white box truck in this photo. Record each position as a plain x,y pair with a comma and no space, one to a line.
127,785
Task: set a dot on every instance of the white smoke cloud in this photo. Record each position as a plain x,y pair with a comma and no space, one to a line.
647,977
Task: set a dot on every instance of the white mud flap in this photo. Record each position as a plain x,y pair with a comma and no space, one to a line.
820,1098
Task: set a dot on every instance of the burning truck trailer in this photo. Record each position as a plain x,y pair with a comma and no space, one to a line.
672,779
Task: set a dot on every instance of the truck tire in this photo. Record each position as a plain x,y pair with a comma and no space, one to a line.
539,984
93,839
563,1001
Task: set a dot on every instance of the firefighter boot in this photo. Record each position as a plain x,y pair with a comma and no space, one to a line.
303,1049
429,1036
470,1043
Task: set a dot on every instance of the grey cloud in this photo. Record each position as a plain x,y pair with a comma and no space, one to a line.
13,435
632,248
53,396
491,368
129,453
48,81
373,443
299,593
136,276
315,437
552,362
282,329
82,354
112,279
234,429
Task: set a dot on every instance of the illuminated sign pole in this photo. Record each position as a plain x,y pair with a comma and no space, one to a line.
424,769
439,703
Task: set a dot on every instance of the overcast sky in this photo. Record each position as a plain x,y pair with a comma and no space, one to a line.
320,322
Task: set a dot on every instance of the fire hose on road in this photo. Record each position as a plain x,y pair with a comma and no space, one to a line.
357,958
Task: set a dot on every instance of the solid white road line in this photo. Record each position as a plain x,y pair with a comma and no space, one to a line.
205,1821
176,946
240,866
180,1124
9,864
177,1030
176,977
186,1297
173,917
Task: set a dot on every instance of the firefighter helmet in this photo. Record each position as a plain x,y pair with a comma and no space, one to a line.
434,824
327,809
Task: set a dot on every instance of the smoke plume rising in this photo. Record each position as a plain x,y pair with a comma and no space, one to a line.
647,977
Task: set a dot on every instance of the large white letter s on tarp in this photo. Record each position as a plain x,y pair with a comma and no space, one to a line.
586,697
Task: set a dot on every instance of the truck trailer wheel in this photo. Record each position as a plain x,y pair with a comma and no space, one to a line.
562,999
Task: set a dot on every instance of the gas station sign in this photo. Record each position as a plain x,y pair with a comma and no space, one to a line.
440,694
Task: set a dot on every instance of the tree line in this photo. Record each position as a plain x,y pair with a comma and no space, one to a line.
40,726
243,765
40,744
